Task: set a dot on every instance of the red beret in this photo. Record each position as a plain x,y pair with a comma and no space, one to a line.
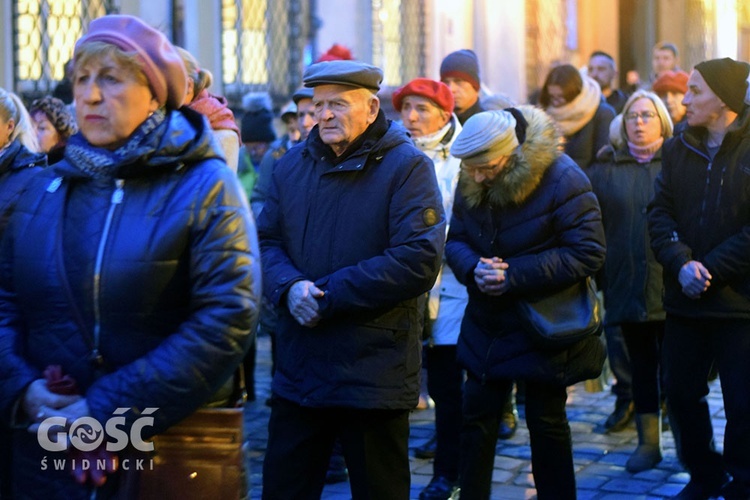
437,92
671,81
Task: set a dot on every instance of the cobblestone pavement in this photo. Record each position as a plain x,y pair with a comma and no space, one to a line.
600,458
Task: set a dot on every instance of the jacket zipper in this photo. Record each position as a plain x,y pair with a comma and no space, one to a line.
115,200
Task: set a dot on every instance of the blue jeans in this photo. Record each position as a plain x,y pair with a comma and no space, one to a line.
690,346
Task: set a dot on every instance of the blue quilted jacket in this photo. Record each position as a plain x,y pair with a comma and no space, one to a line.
143,285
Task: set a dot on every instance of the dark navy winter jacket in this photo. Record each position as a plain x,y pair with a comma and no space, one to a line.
369,229
541,217
17,165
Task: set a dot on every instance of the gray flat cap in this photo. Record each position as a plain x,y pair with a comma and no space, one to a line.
302,93
352,73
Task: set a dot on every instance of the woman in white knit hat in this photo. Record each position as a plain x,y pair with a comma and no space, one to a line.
524,221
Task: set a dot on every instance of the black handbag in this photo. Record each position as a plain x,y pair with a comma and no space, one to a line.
561,318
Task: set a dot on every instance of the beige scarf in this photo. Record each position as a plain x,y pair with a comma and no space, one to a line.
574,115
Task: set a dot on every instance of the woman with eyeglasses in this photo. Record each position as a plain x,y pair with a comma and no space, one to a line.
575,102
525,221
623,180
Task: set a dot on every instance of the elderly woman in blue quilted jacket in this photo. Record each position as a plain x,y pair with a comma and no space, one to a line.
525,221
132,264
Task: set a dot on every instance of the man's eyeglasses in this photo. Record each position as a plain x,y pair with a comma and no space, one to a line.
643,115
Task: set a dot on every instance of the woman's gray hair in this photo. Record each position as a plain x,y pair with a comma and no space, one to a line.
667,127
12,108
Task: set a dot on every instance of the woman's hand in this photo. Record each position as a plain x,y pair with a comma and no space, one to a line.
39,403
490,277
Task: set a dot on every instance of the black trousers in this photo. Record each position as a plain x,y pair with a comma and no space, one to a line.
445,380
690,346
300,440
644,341
619,363
549,432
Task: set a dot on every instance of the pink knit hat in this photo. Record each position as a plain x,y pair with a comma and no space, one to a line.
161,63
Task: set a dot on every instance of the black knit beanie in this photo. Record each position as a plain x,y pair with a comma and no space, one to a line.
728,80
461,64
257,126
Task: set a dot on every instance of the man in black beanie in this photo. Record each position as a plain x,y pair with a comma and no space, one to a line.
699,222
460,72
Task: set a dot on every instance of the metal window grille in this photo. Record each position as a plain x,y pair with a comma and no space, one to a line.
45,32
262,47
398,41
545,37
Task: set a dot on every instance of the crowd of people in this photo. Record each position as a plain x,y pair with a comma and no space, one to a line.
139,223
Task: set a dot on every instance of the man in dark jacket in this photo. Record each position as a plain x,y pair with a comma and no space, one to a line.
603,69
699,222
352,234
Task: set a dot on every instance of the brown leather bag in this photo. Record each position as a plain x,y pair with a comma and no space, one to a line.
200,457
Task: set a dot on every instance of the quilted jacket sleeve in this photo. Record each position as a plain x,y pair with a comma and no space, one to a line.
579,247
461,257
671,253
192,362
15,373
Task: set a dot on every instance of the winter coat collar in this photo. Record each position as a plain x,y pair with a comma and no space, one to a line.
526,167
16,157
621,155
474,109
695,137
381,136
181,138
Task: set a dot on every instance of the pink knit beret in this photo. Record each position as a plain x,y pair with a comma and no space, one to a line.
437,92
161,63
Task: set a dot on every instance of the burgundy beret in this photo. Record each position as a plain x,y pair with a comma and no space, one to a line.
437,92
161,63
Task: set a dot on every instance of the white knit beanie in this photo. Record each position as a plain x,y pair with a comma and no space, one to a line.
485,137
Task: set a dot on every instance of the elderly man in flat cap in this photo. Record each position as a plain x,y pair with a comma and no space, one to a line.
699,221
352,235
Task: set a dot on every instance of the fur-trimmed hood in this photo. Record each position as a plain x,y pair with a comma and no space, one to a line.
523,173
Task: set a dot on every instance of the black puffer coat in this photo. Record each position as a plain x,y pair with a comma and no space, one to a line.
540,216
155,267
701,211
633,284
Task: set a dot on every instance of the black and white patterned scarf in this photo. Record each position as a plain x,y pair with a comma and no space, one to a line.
102,163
